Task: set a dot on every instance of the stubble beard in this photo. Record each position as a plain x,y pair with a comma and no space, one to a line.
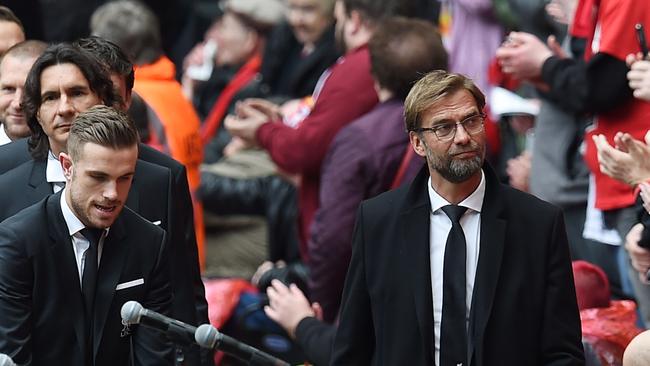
456,170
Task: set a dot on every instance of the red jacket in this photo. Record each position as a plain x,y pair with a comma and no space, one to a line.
347,93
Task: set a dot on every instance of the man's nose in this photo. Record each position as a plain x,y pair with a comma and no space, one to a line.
15,102
110,191
461,136
65,105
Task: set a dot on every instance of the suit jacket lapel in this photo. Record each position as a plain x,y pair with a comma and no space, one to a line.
63,255
414,221
493,228
114,254
40,188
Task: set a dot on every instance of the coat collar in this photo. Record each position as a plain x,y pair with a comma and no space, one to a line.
63,255
415,224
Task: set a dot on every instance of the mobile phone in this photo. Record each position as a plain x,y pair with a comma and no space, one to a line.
640,37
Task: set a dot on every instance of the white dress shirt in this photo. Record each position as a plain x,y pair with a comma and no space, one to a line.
54,173
80,244
440,227
4,138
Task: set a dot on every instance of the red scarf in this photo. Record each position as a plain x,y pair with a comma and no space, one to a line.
245,74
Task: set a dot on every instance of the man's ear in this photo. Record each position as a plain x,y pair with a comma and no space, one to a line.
355,22
128,99
67,164
418,144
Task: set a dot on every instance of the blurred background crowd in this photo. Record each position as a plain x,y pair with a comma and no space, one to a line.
288,113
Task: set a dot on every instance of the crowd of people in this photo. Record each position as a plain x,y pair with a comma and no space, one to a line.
413,214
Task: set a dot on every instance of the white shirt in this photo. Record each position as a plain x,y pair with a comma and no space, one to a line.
4,138
80,244
54,173
440,227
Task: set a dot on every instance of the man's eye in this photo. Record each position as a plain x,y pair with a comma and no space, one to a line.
445,129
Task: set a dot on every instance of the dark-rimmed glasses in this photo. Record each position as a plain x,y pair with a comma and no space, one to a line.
447,131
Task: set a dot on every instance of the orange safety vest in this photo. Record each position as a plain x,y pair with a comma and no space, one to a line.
156,85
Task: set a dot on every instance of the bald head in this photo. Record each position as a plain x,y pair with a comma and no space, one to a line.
26,49
637,352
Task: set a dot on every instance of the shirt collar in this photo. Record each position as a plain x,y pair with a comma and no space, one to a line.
4,138
54,170
474,201
72,222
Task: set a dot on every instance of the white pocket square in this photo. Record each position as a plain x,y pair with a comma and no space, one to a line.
157,223
122,286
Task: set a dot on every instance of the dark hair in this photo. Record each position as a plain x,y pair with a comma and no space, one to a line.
402,51
62,53
373,11
104,126
132,26
26,49
110,55
8,16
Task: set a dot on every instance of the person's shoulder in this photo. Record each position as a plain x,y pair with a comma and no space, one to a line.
526,203
19,170
13,154
153,156
389,202
372,124
27,221
150,172
354,64
136,224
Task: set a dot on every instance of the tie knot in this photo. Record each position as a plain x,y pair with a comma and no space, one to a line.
454,212
92,234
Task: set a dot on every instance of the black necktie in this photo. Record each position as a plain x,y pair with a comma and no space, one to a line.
88,284
453,330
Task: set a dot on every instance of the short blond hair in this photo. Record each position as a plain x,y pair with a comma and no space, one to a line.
431,88
104,126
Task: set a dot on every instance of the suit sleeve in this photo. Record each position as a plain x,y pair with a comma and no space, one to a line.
354,341
316,339
150,347
16,282
561,333
594,87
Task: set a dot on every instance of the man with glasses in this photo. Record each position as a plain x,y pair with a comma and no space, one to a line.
457,269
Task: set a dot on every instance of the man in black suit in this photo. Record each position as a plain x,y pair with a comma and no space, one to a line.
69,262
155,194
457,269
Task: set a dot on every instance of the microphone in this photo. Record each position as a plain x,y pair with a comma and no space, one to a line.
177,331
6,360
209,337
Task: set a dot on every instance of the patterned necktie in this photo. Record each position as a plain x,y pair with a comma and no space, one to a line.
453,330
